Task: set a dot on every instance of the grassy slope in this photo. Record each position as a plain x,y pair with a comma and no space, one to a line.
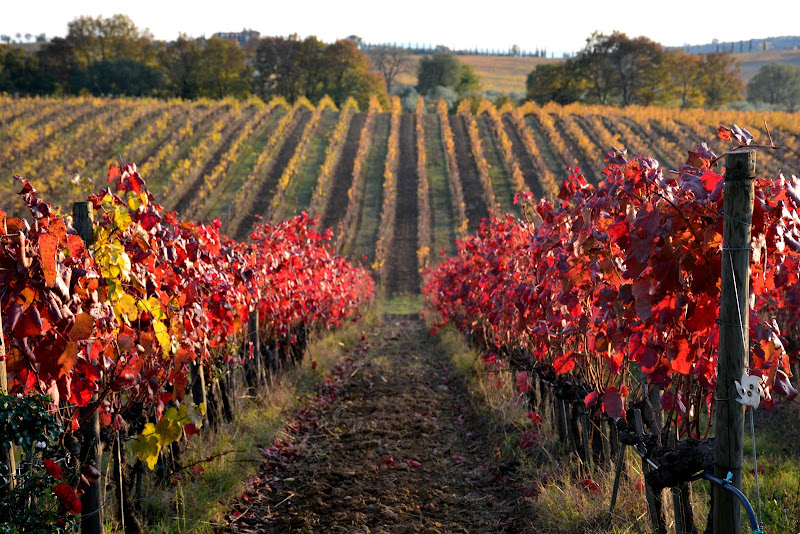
499,171
298,194
498,73
242,167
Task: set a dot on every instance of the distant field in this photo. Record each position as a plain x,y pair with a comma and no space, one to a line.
498,73
752,62
508,74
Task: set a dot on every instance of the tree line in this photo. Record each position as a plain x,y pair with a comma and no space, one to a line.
618,70
111,56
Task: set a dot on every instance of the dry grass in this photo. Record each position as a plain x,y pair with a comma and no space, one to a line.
498,73
557,502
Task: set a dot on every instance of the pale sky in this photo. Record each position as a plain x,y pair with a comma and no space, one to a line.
556,25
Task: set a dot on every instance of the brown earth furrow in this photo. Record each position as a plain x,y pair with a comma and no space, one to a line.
403,273
468,171
343,175
526,165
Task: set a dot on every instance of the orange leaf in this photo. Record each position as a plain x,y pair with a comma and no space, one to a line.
48,247
75,245
68,358
82,329
58,228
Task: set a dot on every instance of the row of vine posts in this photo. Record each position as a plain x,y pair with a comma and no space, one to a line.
597,439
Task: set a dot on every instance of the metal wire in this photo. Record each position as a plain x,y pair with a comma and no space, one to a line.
747,353
739,311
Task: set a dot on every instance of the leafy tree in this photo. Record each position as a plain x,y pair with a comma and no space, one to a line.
389,61
443,69
279,68
20,72
720,80
685,72
222,70
58,60
777,84
469,81
346,73
630,71
595,65
180,62
439,70
99,39
124,76
555,82
292,68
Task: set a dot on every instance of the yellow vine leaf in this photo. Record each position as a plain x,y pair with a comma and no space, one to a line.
126,308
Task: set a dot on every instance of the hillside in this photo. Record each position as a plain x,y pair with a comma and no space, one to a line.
377,178
507,74
504,74
752,62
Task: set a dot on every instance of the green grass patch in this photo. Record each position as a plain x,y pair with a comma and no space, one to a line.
299,192
369,213
444,217
499,173
399,305
242,168
559,503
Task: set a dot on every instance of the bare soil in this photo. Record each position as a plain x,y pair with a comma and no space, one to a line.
386,446
403,274
468,172
343,174
526,164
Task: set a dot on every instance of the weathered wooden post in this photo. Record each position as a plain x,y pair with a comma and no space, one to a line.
655,503
91,446
733,334
6,454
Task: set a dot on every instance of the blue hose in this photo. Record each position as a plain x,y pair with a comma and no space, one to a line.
755,528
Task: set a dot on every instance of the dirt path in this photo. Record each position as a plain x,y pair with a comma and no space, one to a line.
387,447
468,171
403,275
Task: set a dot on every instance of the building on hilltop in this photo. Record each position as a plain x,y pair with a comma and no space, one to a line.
242,38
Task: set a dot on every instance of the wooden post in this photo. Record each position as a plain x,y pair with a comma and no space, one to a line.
617,473
91,446
681,501
584,420
733,334
655,504
605,441
6,454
